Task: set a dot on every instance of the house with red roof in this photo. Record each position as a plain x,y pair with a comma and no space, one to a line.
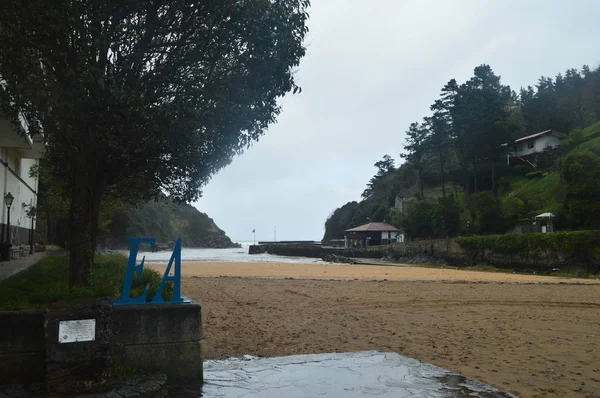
371,234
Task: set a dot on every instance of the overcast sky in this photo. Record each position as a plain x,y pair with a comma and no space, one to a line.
373,67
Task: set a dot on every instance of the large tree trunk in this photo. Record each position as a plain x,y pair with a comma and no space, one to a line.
421,184
494,188
87,190
441,155
80,226
475,177
468,196
96,202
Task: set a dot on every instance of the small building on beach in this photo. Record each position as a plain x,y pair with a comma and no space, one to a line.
371,234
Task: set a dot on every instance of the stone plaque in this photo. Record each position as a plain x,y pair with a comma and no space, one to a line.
76,331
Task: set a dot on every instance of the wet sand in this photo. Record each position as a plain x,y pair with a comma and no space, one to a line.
361,272
532,336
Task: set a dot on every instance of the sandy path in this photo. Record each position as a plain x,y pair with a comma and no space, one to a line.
523,334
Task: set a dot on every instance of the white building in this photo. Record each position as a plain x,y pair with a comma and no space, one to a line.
371,234
537,143
18,153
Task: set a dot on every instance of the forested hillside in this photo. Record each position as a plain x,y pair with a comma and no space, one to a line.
455,178
166,221
163,220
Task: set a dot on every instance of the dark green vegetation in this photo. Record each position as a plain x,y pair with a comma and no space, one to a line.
162,219
47,282
455,178
143,98
576,247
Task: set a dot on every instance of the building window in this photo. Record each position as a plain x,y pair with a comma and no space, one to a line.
530,145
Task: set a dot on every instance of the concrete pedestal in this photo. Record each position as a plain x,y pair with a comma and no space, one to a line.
78,348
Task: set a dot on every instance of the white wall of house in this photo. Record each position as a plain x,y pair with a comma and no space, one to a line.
537,145
389,235
15,179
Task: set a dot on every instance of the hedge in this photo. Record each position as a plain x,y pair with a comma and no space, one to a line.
581,246
534,174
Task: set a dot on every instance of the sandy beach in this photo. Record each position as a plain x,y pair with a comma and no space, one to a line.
530,335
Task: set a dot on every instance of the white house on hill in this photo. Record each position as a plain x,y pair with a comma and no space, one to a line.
18,153
537,143
523,148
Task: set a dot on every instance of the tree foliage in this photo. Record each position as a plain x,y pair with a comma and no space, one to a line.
415,147
460,146
142,98
384,167
446,216
420,220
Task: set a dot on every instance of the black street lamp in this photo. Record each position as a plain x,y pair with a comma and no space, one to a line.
8,201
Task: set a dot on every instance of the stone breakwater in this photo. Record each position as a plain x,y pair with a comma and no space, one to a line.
425,251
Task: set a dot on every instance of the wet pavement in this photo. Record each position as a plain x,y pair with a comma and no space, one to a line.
11,267
360,374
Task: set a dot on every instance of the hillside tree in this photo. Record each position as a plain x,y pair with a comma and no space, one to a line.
416,147
482,119
385,166
439,139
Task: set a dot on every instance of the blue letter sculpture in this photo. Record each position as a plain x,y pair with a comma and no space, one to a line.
132,269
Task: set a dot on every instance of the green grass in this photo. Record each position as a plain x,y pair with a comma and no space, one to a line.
592,129
46,282
543,190
587,144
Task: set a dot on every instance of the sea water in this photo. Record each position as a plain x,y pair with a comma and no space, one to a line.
237,255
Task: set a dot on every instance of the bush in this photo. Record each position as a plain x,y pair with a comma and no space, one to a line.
46,282
519,170
516,208
419,221
534,174
447,216
504,184
548,160
581,172
489,213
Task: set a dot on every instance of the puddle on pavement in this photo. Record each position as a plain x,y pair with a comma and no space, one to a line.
458,386
359,374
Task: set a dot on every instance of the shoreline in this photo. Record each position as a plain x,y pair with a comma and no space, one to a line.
343,272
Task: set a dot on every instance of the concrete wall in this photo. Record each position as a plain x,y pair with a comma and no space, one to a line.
22,347
389,235
423,251
163,338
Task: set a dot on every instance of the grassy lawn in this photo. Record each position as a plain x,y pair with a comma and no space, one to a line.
544,190
46,282
592,129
